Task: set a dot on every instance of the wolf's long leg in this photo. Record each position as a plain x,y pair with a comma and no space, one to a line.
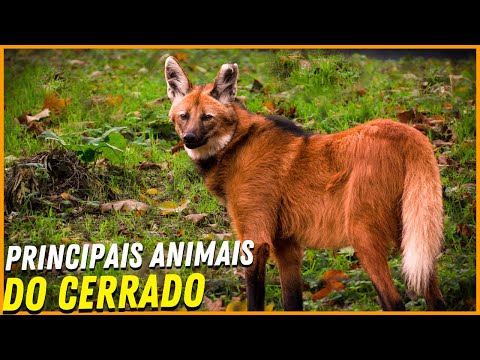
255,276
289,260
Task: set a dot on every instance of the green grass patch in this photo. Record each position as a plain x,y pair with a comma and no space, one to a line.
112,113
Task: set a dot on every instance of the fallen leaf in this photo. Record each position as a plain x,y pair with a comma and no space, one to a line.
35,127
446,161
10,158
440,143
305,64
124,205
447,106
410,76
269,307
334,275
178,147
411,116
454,79
437,118
237,305
361,91
15,267
96,74
407,116
442,160
22,119
152,191
420,127
336,285
451,190
136,114
196,218
42,114
53,102
420,117
321,294
464,230
216,305
155,102
256,86
170,176
331,287
76,62
470,187
240,272
122,230
199,68
109,100
169,207
289,93
348,251
114,99
181,56
208,237
146,165
66,240
333,281
270,106
27,118
290,113
437,129
67,196
223,236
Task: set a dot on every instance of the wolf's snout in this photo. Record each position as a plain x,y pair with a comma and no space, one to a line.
190,138
192,141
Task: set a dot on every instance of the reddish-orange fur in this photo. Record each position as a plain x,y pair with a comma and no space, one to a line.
288,192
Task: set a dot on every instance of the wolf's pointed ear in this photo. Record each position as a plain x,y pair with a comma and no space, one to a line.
178,84
225,85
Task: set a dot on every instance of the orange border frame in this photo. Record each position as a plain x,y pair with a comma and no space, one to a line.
389,47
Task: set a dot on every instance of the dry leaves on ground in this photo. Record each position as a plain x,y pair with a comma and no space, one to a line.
170,207
56,104
333,280
124,205
237,304
211,305
196,218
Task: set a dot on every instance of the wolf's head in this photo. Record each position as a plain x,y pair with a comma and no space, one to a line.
203,114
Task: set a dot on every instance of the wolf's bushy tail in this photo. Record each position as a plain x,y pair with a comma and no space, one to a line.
422,216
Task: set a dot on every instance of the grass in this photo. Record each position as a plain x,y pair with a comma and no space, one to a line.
322,90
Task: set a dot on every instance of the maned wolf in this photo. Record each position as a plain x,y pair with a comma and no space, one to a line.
374,187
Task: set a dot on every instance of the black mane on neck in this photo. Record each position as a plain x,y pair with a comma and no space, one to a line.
285,124
204,165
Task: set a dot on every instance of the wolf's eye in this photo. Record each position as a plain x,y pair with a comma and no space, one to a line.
207,117
184,116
